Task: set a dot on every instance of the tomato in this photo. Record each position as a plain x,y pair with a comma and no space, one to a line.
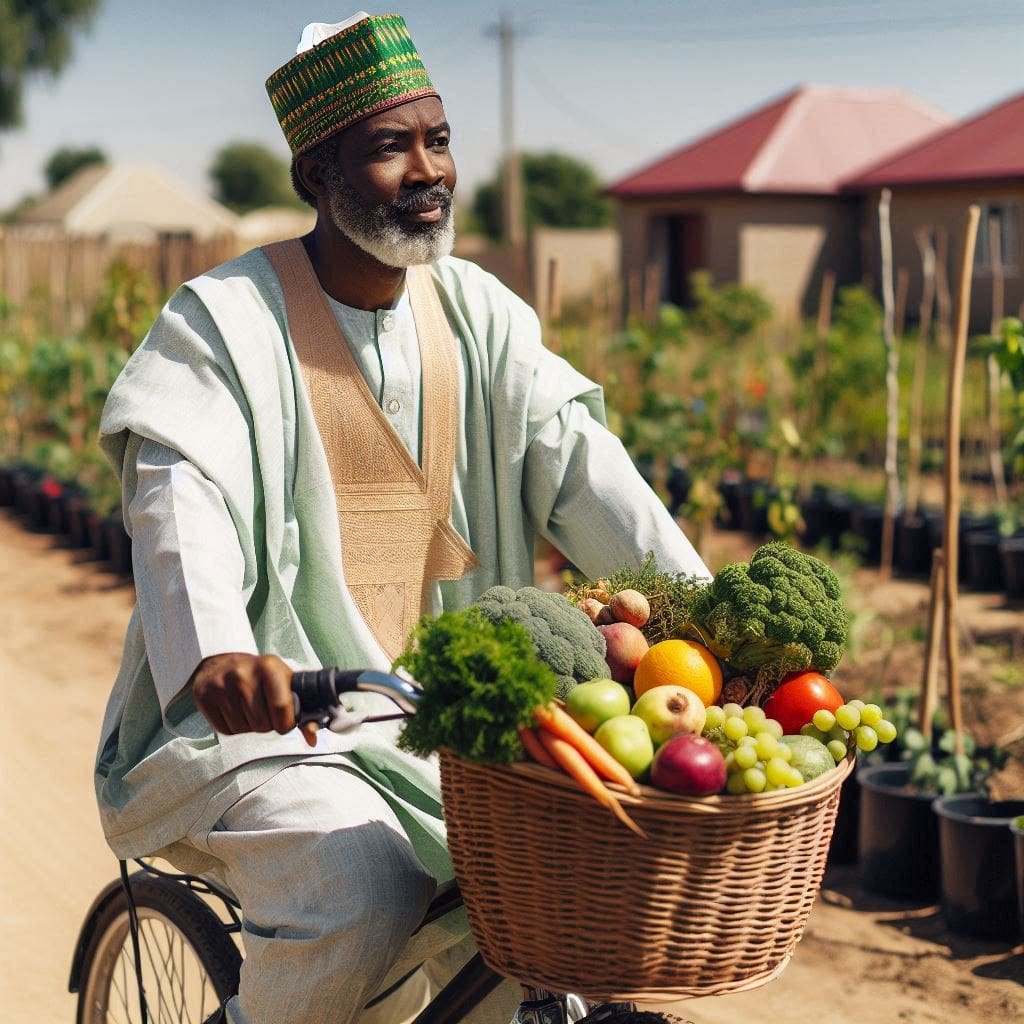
793,704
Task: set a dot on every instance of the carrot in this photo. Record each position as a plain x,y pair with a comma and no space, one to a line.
572,762
536,749
559,723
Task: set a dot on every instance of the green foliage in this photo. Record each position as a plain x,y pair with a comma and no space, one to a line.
128,302
728,313
559,191
35,37
68,161
248,176
781,612
563,637
481,682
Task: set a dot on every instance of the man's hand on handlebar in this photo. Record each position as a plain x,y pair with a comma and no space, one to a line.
239,693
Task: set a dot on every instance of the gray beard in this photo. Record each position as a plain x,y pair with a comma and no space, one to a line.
380,231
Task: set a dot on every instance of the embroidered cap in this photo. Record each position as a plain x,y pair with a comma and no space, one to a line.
343,73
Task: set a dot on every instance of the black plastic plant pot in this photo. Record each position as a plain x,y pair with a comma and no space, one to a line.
754,497
983,561
815,513
913,546
678,485
898,842
119,544
866,525
843,849
1011,550
1017,831
728,517
7,475
979,888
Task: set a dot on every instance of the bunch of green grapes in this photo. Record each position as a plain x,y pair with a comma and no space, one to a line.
864,721
754,758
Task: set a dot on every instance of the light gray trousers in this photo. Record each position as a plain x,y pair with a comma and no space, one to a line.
330,891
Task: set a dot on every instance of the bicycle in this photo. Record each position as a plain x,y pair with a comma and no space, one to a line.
152,942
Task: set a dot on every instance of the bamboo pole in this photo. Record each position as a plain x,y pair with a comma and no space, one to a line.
993,439
892,389
951,521
916,427
944,304
929,678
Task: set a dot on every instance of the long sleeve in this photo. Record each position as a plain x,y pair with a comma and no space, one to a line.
188,569
584,494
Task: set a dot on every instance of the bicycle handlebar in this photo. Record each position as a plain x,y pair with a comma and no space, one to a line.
317,692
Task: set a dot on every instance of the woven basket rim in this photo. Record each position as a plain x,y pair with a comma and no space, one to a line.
720,804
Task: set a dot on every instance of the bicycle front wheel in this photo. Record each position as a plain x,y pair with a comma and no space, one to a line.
189,962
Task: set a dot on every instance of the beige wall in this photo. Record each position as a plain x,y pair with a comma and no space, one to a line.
586,258
946,208
781,244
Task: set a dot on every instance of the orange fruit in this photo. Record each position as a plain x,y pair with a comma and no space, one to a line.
681,663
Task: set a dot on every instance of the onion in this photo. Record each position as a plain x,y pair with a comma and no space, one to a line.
691,765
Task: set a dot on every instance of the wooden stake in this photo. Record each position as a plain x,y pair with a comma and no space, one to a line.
951,521
634,301
652,293
993,439
916,428
892,389
828,287
942,299
929,685
554,304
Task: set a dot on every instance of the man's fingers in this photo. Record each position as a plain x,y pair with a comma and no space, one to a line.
309,730
277,694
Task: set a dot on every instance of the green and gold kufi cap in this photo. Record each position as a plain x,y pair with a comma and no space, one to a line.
362,67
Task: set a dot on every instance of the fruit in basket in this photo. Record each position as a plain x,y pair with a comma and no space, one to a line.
811,757
681,663
864,722
690,765
670,710
630,606
796,700
626,646
628,740
596,701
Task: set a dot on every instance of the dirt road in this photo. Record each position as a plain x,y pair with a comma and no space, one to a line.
862,961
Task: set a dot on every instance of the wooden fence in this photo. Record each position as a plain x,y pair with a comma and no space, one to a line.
49,281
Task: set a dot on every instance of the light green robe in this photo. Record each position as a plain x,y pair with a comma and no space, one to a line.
230,401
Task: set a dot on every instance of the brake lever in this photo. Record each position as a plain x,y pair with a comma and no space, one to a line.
324,688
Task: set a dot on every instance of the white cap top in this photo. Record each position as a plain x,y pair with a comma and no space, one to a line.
318,31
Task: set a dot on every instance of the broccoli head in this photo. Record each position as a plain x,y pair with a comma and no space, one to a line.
563,636
781,612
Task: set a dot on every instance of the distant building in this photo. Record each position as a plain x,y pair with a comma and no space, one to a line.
130,202
978,160
761,200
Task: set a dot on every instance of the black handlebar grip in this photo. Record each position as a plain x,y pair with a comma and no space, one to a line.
319,689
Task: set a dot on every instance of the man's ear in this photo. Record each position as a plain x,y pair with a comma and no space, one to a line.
310,173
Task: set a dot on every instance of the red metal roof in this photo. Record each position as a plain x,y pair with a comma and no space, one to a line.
808,142
989,146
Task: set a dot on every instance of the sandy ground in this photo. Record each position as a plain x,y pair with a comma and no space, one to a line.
863,960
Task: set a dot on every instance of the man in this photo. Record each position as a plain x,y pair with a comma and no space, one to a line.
319,442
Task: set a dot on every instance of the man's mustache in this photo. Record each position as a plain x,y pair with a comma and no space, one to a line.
423,199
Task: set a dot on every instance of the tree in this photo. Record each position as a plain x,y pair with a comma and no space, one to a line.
66,161
248,176
560,192
35,37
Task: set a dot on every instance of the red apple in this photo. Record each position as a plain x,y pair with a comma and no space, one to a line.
626,646
690,765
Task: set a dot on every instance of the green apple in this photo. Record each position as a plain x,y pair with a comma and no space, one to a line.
670,710
628,740
596,701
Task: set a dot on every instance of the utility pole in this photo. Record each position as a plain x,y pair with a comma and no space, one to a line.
513,231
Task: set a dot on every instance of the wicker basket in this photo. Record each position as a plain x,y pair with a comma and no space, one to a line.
561,896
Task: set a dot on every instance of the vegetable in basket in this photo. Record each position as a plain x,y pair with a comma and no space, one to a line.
563,636
481,683
779,613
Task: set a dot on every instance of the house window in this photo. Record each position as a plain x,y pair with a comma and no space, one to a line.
1005,218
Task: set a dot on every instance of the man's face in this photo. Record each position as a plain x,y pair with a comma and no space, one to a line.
390,188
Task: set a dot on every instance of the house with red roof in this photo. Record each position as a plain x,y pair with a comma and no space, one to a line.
933,182
762,201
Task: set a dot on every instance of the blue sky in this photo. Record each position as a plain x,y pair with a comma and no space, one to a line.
616,84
